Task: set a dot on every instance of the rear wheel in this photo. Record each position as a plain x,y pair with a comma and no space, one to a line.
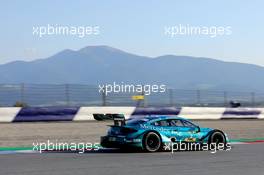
217,138
152,142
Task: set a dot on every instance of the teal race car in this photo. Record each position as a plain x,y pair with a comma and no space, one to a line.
153,133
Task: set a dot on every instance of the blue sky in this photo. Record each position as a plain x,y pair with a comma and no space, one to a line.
135,26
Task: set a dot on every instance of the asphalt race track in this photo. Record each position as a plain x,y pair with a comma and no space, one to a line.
241,160
24,134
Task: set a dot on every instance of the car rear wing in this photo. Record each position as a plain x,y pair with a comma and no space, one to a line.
100,117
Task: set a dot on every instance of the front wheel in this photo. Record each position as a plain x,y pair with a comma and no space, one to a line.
152,142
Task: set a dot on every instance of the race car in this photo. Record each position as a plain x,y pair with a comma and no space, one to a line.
151,133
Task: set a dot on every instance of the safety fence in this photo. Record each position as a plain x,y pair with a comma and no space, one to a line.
89,95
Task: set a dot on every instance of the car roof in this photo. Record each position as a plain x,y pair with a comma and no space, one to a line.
159,117
152,118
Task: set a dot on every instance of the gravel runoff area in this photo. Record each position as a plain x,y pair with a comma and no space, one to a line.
25,134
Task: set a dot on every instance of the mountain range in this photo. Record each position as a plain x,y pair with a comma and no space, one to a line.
104,64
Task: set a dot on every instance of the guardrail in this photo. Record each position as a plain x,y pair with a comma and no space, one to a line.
37,114
88,95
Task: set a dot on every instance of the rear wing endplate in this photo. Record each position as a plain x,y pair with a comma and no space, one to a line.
119,119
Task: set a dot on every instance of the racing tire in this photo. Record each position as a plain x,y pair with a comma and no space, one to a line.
152,142
216,138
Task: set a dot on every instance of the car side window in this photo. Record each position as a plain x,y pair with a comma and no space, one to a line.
156,123
187,124
160,123
174,122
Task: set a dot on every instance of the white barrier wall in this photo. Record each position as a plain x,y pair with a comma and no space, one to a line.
202,112
8,114
261,116
34,114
